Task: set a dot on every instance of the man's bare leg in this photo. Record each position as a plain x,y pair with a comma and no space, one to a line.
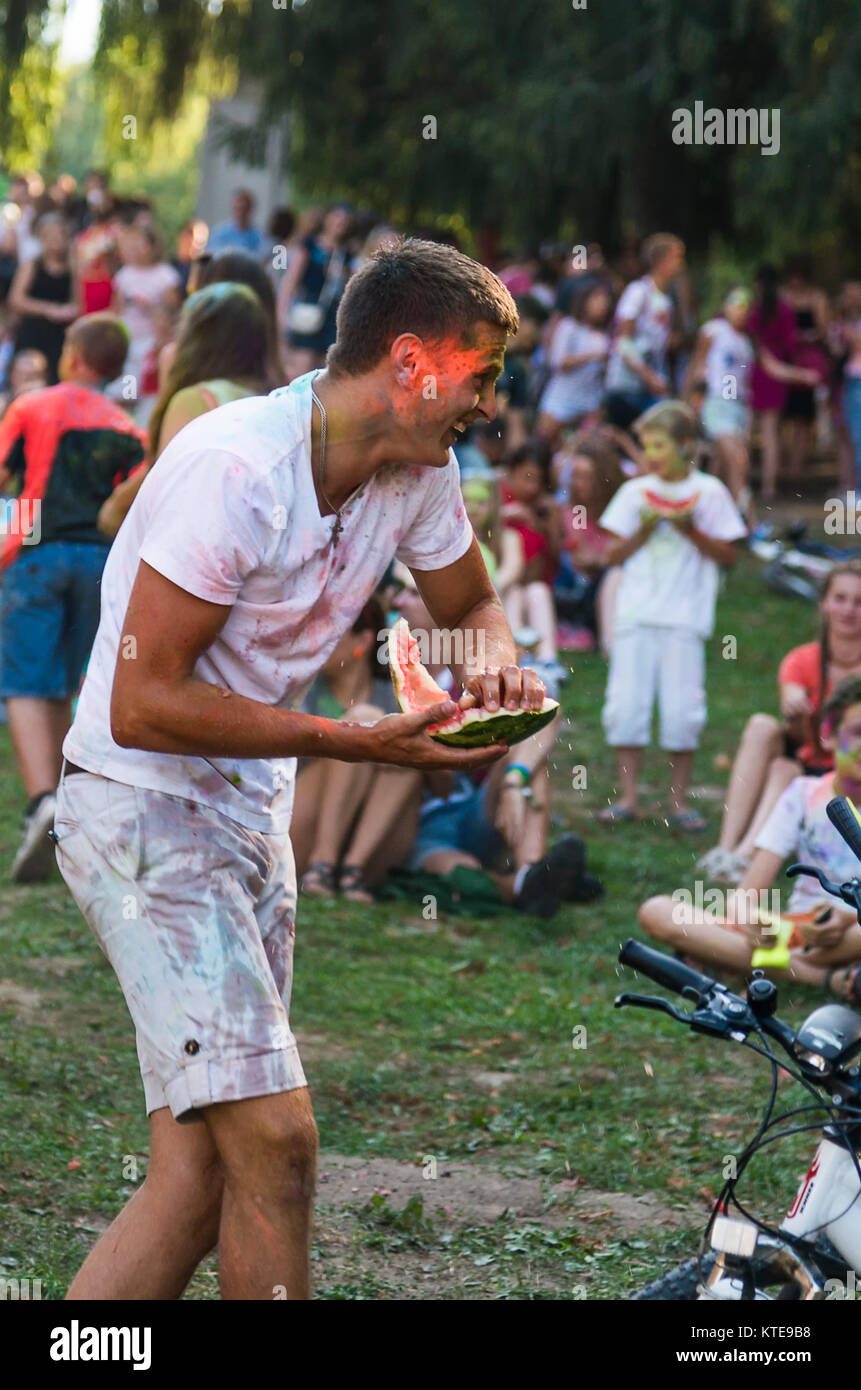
37,729
152,1249
761,743
268,1150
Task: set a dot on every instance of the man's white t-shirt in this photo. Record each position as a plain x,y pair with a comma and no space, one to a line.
229,514
651,311
668,582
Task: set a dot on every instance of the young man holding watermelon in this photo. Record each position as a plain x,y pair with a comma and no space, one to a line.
255,540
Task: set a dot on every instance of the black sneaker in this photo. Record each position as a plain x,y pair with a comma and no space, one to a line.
538,896
35,860
559,877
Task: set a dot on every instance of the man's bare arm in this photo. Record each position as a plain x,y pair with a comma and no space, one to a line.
461,597
159,705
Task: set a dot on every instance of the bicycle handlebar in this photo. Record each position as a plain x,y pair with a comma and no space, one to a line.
664,970
844,817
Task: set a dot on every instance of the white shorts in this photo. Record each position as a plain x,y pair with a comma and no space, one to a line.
721,418
195,913
647,661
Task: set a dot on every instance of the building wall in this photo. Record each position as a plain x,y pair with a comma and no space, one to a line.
220,174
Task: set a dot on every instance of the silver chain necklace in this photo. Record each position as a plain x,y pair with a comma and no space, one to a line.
338,523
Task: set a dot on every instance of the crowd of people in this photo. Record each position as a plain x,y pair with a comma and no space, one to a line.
607,495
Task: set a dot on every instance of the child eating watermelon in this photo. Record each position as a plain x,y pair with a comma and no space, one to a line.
673,527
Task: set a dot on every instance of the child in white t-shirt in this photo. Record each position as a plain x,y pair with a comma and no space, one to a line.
824,932
674,527
724,357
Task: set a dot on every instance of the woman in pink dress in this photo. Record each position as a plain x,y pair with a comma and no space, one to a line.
771,326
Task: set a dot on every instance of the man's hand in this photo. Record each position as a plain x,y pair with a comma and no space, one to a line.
683,523
511,687
403,739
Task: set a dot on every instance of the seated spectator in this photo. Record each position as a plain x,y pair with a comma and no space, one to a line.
528,507
67,445
352,822
577,357
499,824
825,933
773,751
498,820
586,586
501,546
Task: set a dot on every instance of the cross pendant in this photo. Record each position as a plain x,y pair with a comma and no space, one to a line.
337,529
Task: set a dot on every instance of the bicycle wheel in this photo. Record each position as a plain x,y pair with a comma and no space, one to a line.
678,1285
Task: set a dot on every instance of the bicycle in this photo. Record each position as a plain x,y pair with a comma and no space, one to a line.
817,1247
794,565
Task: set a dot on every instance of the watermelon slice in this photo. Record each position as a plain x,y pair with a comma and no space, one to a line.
415,689
666,507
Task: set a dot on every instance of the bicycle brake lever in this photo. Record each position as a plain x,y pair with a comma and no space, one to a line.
850,892
795,869
651,1001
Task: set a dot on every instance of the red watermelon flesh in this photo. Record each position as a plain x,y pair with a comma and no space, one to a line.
415,689
665,506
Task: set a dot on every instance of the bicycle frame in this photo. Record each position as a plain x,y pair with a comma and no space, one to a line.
827,1202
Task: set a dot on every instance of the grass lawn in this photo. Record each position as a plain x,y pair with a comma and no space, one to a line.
435,1047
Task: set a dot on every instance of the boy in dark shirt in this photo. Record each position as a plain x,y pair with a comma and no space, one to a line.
68,446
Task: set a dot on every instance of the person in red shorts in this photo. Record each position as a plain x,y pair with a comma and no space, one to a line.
68,446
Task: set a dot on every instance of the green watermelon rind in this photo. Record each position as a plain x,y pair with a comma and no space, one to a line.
478,727
503,726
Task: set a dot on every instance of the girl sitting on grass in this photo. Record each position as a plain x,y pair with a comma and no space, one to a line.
825,944
774,751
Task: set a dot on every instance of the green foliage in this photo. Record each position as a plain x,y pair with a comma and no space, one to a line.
30,85
548,117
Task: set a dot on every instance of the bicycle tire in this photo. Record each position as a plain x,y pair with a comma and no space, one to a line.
784,581
678,1285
